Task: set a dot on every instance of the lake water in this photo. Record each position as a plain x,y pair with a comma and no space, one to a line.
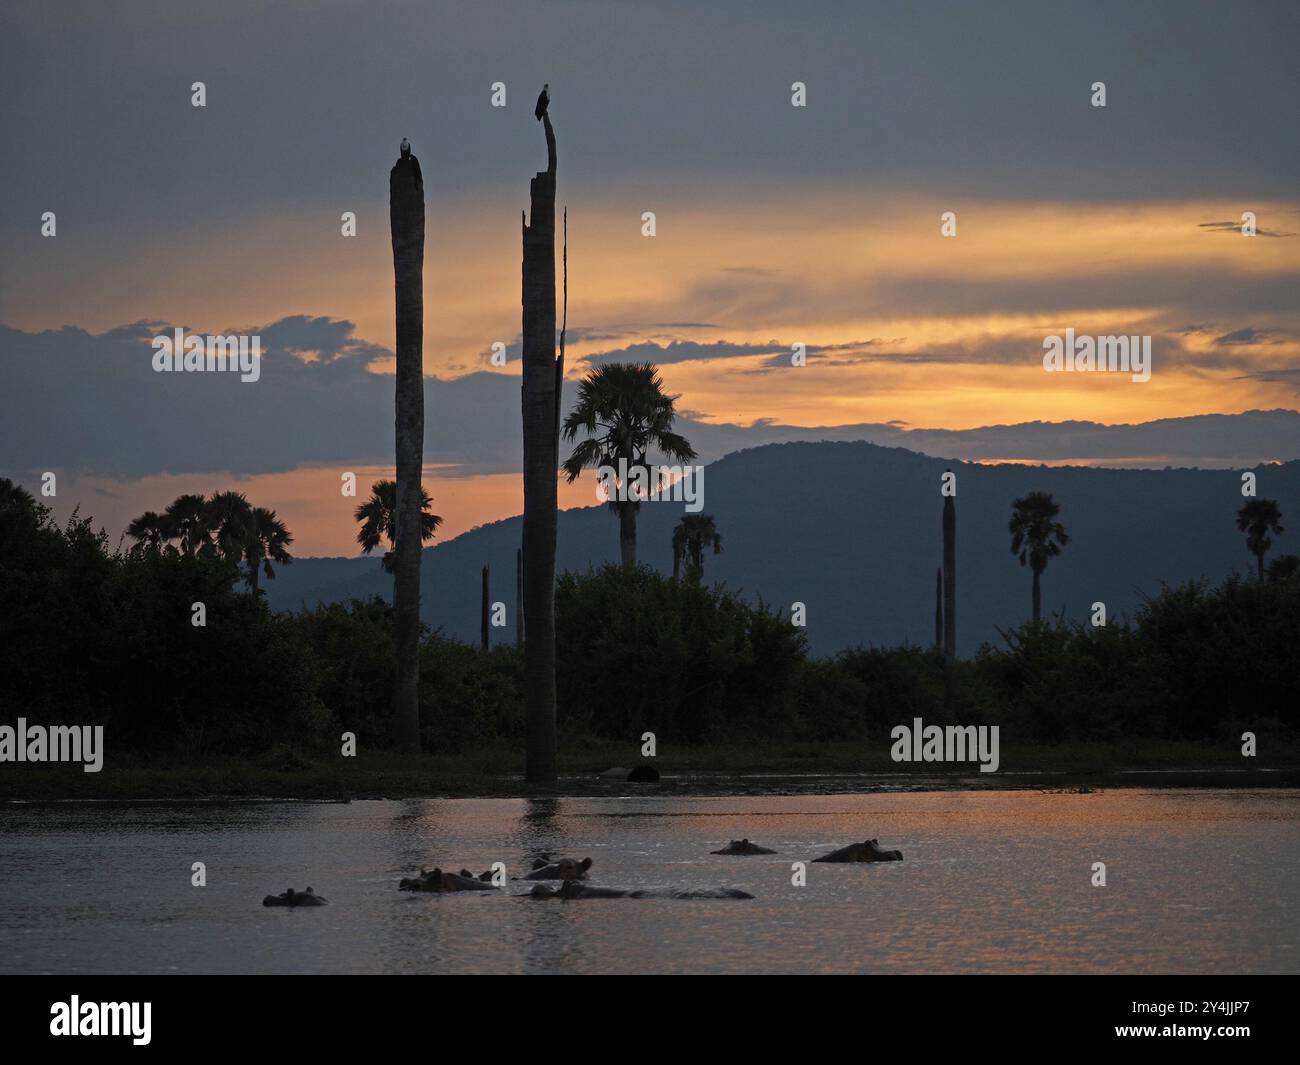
1197,881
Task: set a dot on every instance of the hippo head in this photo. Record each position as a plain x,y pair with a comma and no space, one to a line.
569,869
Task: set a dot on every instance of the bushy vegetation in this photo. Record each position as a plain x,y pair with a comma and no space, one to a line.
638,651
94,635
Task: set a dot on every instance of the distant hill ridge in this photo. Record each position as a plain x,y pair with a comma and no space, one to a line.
852,530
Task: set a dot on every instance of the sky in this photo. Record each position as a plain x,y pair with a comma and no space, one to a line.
775,226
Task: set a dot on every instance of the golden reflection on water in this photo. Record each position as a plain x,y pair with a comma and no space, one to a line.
1197,881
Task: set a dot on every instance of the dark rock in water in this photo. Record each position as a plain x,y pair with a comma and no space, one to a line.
867,851
295,898
743,846
573,889
618,772
437,880
644,774
564,869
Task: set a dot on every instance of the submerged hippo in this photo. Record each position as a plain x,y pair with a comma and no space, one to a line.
742,846
867,851
295,898
563,869
573,889
644,774
437,880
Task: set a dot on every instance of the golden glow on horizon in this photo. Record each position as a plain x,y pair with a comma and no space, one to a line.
309,501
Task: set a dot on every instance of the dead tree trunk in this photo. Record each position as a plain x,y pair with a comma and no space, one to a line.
949,578
519,598
541,464
938,609
483,608
406,219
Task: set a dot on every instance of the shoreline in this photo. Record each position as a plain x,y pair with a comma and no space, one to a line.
755,769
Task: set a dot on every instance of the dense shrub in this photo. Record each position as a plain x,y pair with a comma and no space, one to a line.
638,651
90,635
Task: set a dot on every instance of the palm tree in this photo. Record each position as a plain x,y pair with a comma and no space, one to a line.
268,541
227,517
625,413
187,521
377,517
540,409
249,536
16,496
1036,536
693,534
1257,519
150,530
406,222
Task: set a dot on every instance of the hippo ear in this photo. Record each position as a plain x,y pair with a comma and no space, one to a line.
585,863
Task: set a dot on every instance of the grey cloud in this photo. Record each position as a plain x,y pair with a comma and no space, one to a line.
1235,227
1248,336
92,404
681,351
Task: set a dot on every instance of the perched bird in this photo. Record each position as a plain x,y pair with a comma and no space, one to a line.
414,163
543,102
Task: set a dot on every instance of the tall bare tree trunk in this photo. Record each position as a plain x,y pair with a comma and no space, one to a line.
949,578
406,218
483,607
541,466
938,609
519,598
1038,598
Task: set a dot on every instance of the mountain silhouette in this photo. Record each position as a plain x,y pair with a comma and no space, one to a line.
852,530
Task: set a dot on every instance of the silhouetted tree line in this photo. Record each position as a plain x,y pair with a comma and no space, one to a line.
94,635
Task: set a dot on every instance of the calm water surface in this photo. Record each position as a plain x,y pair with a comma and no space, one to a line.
1198,881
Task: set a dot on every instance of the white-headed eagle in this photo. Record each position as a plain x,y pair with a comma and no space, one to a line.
404,148
543,102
